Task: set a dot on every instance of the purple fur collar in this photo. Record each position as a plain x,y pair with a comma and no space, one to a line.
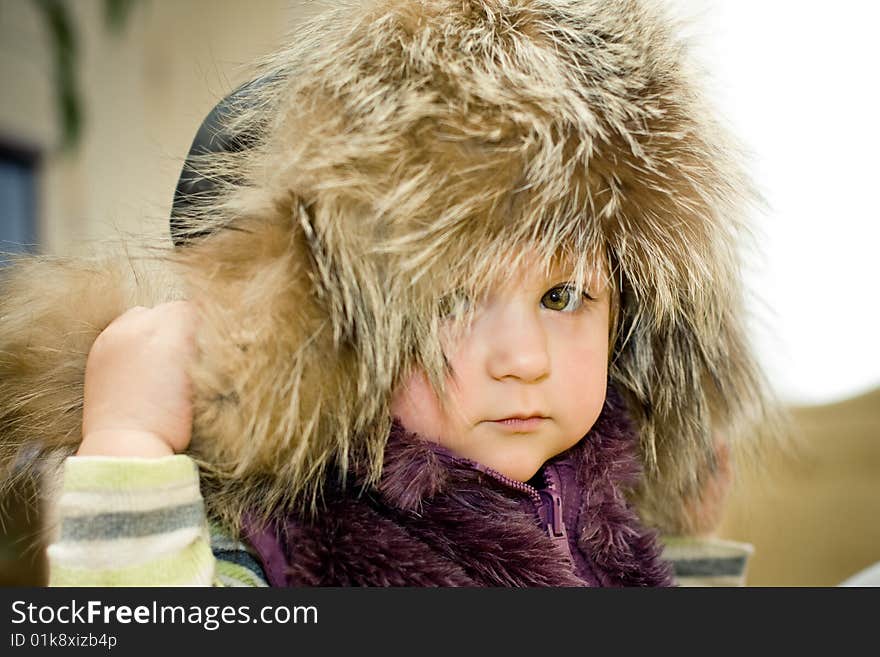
438,519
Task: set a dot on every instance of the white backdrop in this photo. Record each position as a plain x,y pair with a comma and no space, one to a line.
798,83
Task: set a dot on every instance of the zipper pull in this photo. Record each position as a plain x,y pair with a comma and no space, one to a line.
555,526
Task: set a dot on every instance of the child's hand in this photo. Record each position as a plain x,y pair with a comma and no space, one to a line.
137,397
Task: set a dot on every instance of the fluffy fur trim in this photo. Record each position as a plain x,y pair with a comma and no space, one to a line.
400,150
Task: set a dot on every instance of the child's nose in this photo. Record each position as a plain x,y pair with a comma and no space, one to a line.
517,347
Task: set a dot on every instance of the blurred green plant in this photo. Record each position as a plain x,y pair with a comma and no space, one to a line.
61,28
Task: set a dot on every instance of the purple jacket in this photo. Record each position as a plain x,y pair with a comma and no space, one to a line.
436,519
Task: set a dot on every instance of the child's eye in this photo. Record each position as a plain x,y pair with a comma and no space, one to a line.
564,298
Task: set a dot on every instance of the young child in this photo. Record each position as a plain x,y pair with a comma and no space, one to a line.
466,312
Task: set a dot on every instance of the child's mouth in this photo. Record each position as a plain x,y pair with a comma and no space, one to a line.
520,424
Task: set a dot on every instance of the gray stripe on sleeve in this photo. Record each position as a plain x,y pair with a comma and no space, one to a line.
243,559
719,567
132,524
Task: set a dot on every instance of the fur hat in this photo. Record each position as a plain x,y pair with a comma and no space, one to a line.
400,150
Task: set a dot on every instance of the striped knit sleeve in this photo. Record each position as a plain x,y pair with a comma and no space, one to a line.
237,563
707,561
131,522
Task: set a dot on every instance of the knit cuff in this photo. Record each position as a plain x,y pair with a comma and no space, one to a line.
131,522
707,561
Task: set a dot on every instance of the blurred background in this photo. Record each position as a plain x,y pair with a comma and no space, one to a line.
102,98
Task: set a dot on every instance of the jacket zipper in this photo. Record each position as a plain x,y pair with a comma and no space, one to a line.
555,524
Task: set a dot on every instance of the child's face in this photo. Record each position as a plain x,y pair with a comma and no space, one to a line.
534,348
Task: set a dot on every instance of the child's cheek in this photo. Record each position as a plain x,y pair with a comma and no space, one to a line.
417,407
581,385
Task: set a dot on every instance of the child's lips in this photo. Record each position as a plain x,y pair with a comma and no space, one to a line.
520,424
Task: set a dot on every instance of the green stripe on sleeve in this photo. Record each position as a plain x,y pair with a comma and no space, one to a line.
103,473
232,574
192,566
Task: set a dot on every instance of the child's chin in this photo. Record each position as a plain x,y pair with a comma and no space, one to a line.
522,469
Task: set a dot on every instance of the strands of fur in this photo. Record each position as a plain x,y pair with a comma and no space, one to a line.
398,151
